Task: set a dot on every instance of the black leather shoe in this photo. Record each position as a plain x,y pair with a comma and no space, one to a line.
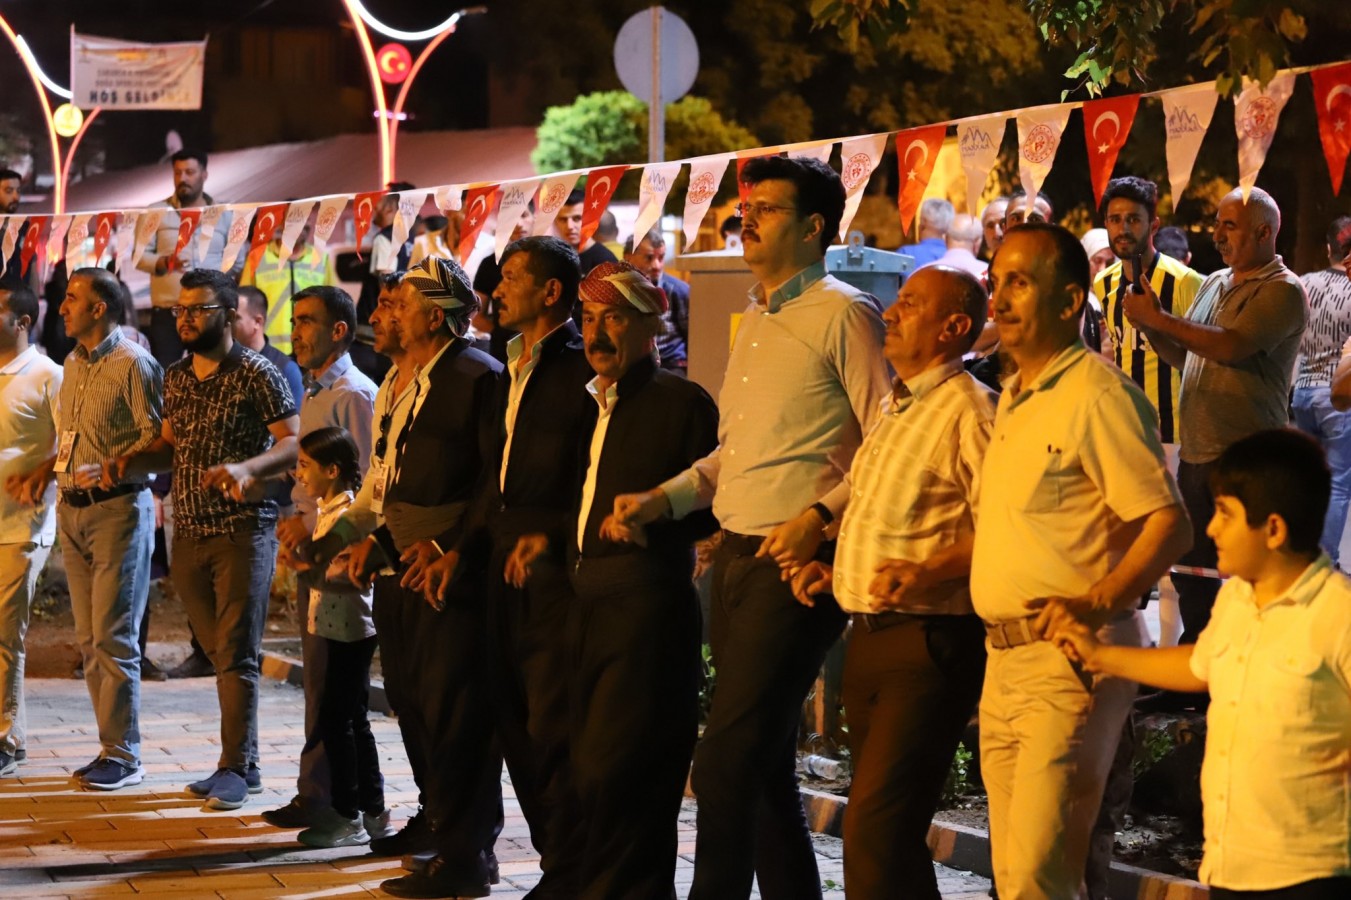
150,670
418,862
195,666
436,882
414,837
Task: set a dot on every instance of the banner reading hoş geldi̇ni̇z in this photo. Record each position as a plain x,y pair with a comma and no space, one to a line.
115,74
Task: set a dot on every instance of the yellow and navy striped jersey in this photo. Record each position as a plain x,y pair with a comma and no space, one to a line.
1176,286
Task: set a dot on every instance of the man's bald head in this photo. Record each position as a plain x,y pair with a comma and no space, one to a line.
965,232
1245,233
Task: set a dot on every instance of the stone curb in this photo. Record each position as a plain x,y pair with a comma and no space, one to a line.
962,847
956,846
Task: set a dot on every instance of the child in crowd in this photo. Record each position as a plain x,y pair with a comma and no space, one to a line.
1276,658
327,468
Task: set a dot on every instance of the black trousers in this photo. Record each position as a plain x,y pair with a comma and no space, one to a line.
768,650
396,624
440,668
634,723
1196,594
354,765
532,662
909,691
1338,888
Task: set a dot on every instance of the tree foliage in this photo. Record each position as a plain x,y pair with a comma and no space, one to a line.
1117,40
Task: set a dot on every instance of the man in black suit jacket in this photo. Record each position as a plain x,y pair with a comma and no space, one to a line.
635,628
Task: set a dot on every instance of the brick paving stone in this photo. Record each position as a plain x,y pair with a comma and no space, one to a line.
153,838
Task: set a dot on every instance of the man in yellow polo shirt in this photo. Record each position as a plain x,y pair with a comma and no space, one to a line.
1129,213
280,278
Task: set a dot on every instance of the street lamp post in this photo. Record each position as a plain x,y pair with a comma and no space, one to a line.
387,120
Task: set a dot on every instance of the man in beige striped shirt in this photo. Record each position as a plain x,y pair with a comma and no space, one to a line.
916,656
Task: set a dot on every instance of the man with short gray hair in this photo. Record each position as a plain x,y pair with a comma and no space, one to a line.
962,241
935,219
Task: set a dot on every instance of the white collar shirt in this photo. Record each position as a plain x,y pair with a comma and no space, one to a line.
29,386
605,406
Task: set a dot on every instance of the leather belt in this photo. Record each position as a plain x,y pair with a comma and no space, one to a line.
1011,633
879,621
79,499
742,544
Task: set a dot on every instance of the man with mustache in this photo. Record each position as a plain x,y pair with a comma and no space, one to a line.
1236,347
804,381
229,422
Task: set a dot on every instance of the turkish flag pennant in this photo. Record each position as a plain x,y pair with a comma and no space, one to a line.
553,193
478,205
269,219
1039,133
916,154
1257,111
104,224
32,238
1107,124
1332,96
188,220
600,187
363,213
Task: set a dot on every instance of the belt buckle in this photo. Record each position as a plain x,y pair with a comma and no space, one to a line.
85,496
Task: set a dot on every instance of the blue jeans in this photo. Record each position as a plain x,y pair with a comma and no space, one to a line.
1314,414
225,581
106,549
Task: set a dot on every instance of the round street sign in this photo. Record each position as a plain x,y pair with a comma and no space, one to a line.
67,119
393,62
679,55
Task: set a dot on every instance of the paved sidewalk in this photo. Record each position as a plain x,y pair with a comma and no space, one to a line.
59,841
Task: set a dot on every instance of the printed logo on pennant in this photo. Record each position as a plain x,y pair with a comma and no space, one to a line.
658,178
75,238
1039,133
1186,118
978,142
553,193
240,217
330,211
1257,111
516,197
705,179
858,156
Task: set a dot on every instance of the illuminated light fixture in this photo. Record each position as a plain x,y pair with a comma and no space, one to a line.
67,120
32,60
397,35
394,61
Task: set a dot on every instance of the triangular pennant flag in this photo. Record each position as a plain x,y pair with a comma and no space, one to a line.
553,193
269,222
296,217
858,157
705,178
978,141
1187,112
126,239
600,187
75,238
478,205
1039,133
187,225
1332,97
104,223
32,239
1107,124
56,239
241,214
516,197
330,211
448,197
656,183
206,228
363,213
821,152
1256,114
12,226
410,204
916,154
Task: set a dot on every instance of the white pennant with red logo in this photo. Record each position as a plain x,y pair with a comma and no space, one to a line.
448,197
241,214
410,203
56,238
655,186
147,223
330,211
553,193
1187,112
11,239
858,157
75,238
126,239
1039,133
819,152
705,179
516,197
206,228
978,141
296,217
1257,111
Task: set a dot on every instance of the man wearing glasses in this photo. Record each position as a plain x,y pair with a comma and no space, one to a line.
229,423
805,379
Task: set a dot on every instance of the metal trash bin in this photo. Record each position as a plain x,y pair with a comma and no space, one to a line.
879,272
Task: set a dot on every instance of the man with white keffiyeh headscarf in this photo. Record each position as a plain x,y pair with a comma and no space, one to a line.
636,653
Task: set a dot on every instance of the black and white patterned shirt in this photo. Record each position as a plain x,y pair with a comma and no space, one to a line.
1329,326
111,400
222,419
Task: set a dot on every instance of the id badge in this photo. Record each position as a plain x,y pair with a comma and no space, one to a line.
64,452
379,476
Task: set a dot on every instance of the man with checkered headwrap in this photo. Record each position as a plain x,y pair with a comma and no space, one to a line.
636,626
437,653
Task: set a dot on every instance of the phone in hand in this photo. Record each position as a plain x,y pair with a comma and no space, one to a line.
1137,273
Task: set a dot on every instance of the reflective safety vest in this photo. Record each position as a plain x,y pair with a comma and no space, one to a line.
280,280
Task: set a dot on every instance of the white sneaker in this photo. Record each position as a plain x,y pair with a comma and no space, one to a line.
378,826
334,830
